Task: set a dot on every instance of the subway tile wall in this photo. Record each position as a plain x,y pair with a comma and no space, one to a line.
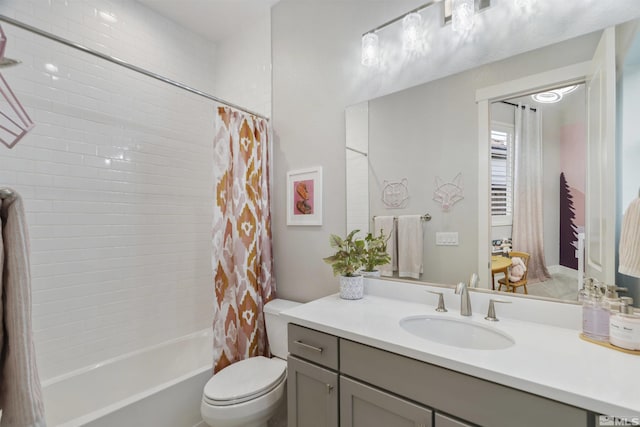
116,178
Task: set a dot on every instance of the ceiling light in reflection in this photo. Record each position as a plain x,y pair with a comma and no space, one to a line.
411,26
462,12
370,50
547,97
52,68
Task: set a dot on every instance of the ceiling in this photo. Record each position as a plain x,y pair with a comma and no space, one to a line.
213,19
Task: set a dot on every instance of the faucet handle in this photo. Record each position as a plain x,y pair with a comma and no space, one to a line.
441,308
491,315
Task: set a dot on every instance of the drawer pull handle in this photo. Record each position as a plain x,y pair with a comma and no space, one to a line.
308,346
329,388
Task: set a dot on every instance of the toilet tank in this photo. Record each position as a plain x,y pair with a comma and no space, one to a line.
276,326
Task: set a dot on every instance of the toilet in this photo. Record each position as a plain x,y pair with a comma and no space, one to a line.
248,393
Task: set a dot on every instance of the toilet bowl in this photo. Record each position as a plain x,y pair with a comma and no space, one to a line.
248,393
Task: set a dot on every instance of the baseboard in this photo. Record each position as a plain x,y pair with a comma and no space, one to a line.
561,269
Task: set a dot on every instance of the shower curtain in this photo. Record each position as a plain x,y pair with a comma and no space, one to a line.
242,258
527,234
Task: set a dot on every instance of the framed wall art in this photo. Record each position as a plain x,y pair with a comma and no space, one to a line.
304,196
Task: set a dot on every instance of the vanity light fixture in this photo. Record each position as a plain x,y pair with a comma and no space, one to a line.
370,49
411,26
460,13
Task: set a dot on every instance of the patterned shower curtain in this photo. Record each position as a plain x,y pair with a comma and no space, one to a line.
242,260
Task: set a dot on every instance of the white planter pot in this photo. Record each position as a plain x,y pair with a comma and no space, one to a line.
374,273
351,287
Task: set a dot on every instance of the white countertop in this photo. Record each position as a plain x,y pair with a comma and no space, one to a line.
546,360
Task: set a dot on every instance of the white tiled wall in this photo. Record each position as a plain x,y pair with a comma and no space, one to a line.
116,178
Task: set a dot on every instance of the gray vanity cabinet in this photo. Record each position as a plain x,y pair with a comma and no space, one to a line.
312,378
365,406
312,395
378,388
444,421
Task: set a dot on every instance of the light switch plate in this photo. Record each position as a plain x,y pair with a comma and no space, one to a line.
449,238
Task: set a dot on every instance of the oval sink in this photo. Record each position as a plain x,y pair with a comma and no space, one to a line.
456,333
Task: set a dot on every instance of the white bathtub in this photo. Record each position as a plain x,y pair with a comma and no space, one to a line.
160,386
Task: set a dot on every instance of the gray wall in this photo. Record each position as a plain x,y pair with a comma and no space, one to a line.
316,75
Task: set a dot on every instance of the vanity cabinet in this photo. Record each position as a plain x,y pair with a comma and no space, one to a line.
312,395
376,388
365,406
312,378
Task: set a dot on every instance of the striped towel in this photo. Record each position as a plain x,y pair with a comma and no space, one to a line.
630,241
20,392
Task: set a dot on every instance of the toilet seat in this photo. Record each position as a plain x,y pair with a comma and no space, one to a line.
245,380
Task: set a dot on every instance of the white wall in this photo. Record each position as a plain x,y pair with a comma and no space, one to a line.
243,67
116,177
317,74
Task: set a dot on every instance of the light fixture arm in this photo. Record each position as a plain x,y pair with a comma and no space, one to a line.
394,20
479,5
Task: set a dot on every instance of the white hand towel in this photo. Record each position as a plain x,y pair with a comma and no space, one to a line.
630,241
20,392
410,246
388,227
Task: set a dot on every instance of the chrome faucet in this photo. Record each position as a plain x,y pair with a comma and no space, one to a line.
465,301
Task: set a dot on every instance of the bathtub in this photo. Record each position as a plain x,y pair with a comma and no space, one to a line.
160,386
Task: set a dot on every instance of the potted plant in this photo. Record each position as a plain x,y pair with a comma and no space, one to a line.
375,254
346,262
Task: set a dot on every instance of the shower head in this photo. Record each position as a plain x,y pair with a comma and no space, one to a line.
8,62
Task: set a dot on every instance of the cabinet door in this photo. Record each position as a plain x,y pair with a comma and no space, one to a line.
364,406
444,421
312,395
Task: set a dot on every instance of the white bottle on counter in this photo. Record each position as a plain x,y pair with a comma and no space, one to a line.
624,326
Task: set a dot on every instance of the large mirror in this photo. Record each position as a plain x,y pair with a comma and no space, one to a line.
417,152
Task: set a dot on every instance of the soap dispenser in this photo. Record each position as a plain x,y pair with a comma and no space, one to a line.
611,299
595,317
624,326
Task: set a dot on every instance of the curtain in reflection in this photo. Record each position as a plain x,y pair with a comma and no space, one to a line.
242,260
527,203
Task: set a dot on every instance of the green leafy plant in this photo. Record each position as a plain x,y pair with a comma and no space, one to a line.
375,252
349,256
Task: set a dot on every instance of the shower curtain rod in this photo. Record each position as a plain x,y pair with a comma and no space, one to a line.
522,106
124,64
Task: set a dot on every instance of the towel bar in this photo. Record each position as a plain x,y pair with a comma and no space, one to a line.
425,217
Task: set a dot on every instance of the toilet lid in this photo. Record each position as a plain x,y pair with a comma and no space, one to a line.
245,380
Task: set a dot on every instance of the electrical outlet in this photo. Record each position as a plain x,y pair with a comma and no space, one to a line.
449,238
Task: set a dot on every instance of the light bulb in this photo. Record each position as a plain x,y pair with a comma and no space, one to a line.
411,31
462,15
370,50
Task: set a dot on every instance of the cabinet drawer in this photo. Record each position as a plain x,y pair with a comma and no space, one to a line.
314,346
478,401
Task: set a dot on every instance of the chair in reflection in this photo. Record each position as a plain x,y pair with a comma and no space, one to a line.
507,281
